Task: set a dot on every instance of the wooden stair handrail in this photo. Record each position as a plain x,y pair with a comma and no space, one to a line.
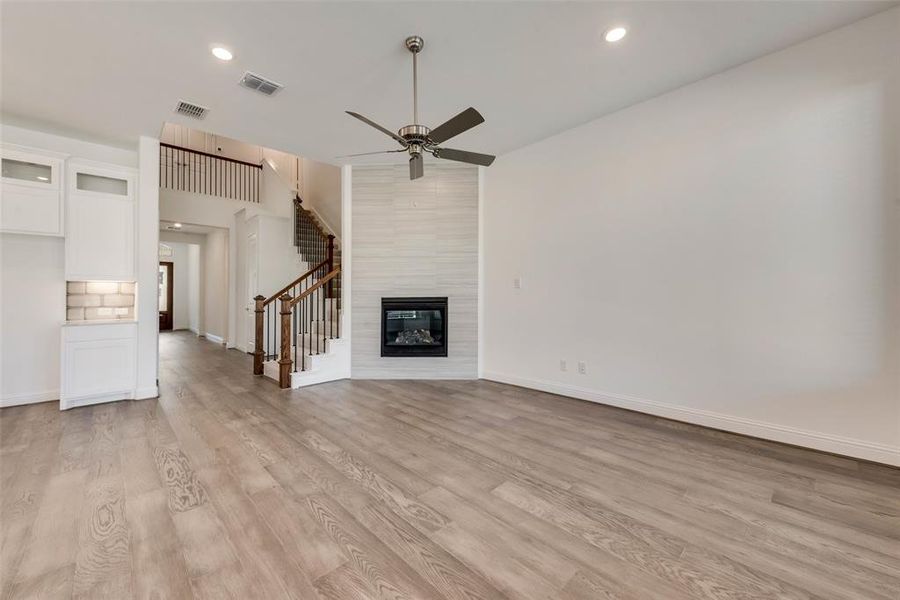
284,290
218,156
334,273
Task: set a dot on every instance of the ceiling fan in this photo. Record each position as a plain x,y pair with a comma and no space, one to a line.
417,138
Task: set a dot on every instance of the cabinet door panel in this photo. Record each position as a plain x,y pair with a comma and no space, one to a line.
100,238
100,367
25,209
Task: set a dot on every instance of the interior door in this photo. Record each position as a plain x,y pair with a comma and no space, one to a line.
252,289
166,283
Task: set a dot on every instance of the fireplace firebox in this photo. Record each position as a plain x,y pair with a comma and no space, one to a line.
414,327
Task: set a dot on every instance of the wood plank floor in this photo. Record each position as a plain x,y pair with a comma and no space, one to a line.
226,487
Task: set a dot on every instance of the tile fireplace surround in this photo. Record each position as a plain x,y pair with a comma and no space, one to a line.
95,300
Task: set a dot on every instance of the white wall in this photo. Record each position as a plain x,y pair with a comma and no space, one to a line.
68,145
194,295
147,254
32,309
726,254
322,193
216,285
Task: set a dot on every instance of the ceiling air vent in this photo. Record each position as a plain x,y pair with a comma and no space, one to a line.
259,83
189,109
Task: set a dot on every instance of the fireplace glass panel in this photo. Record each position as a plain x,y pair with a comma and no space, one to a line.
414,328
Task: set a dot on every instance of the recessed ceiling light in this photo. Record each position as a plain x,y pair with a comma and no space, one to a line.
615,34
42,178
222,53
176,225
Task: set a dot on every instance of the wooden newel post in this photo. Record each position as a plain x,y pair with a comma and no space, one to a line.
258,341
284,361
330,258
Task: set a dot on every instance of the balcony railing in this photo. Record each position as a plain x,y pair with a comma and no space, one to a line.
186,170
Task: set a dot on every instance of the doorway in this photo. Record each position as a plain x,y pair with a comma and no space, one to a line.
166,283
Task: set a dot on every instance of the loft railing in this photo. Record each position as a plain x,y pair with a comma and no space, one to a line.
297,321
187,170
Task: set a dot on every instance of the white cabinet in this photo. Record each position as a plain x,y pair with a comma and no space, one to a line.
98,363
100,222
31,199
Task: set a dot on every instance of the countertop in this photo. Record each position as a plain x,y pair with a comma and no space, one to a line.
98,322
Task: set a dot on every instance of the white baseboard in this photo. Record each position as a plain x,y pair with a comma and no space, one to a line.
147,392
28,398
855,448
214,338
413,377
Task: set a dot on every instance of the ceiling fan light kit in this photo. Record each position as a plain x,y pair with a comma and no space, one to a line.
417,139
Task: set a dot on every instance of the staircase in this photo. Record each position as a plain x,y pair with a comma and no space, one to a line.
298,329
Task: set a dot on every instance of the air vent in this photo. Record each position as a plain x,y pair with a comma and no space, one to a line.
259,83
189,109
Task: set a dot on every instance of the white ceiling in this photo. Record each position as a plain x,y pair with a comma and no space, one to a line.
114,70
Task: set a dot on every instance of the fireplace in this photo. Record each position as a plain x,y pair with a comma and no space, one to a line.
414,326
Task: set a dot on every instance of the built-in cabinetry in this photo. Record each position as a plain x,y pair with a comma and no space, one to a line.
32,199
93,207
98,362
100,222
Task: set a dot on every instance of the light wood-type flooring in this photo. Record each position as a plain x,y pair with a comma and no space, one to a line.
227,487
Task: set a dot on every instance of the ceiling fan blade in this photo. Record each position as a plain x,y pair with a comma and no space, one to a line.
474,158
376,126
416,167
464,121
370,153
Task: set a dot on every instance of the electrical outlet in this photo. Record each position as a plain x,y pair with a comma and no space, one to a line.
562,365
517,283
582,368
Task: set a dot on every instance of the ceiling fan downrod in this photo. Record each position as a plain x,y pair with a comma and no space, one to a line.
414,44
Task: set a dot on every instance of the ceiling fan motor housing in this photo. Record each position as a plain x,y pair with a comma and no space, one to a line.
414,134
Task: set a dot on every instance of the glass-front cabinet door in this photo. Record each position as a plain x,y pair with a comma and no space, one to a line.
21,171
32,191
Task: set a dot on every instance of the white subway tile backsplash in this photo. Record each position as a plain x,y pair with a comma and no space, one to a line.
102,287
77,300
118,300
99,300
